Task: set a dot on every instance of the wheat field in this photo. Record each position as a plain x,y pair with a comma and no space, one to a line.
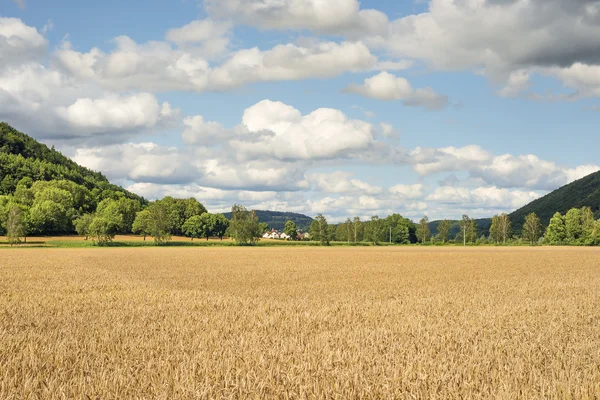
299,323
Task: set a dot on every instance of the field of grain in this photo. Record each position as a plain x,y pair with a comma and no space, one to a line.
395,322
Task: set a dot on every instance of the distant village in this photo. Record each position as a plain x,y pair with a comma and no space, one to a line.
274,234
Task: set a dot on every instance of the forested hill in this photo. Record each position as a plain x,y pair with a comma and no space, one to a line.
277,219
584,192
483,227
21,156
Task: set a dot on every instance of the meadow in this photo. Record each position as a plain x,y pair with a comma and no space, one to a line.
300,322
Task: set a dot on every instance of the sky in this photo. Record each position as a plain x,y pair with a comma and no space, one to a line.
340,107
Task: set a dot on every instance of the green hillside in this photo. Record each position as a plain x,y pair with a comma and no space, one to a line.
483,227
277,219
583,192
21,156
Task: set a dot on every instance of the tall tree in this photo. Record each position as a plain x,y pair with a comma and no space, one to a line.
443,230
220,225
291,229
319,230
375,229
82,225
532,228
556,232
348,227
423,231
357,226
159,223
141,224
15,225
495,233
465,226
504,227
104,227
244,227
573,223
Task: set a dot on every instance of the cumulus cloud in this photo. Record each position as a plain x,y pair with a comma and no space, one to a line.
157,66
280,131
385,86
20,43
66,111
505,170
487,197
341,182
341,17
206,37
507,39
407,191
141,162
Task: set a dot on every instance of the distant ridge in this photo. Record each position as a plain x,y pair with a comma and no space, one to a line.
277,219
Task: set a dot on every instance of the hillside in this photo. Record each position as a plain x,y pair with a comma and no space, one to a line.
21,156
483,225
277,219
580,193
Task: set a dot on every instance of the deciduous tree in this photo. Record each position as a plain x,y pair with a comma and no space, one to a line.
532,228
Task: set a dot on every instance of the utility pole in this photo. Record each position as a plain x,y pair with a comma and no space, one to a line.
390,234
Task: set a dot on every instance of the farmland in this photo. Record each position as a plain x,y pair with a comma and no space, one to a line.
393,322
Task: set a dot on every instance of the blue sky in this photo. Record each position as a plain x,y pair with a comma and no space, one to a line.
343,108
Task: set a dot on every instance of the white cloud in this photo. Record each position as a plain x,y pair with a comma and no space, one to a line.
486,197
341,182
141,162
157,66
115,113
19,43
506,39
385,86
292,62
407,191
331,17
524,171
206,37
199,131
280,131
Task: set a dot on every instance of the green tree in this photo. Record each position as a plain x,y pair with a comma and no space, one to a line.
82,225
220,226
573,223
127,208
243,227
468,230
532,228
263,227
159,223
495,233
291,229
15,225
504,227
423,231
443,230
103,228
141,224
357,226
319,230
198,226
400,228
556,232
375,229
348,229
588,223
180,210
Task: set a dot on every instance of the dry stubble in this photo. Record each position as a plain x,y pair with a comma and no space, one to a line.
300,323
